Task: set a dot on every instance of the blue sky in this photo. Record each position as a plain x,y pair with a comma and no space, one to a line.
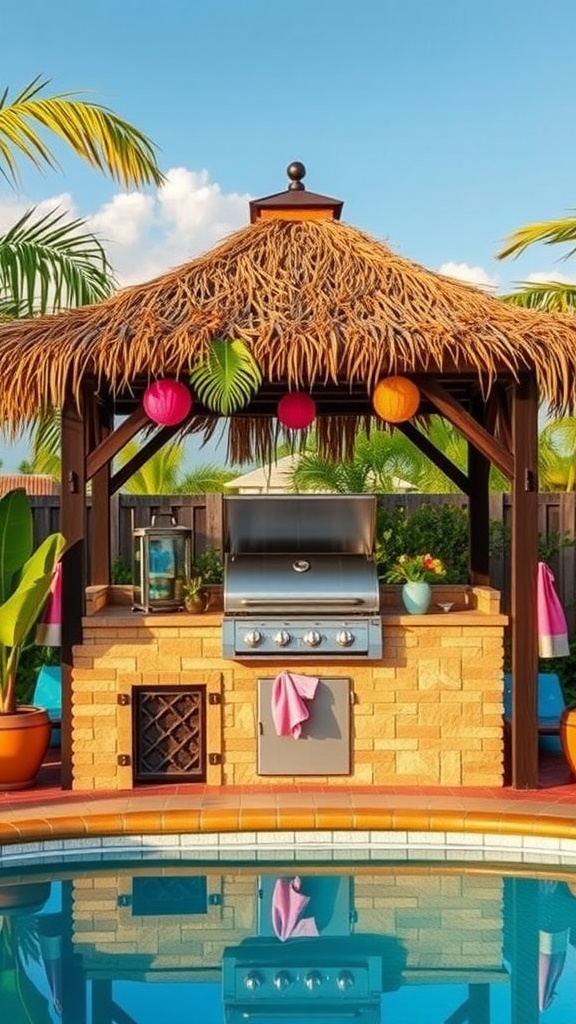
442,124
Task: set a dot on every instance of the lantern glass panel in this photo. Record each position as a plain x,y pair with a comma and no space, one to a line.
161,563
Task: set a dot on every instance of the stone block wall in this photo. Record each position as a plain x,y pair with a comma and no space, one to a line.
428,713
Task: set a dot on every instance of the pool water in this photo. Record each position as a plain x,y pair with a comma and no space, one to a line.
157,942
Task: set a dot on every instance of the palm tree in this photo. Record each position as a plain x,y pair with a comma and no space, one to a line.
380,460
557,296
96,134
557,455
47,263
384,458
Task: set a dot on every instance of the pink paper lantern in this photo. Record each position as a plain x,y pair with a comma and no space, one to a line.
167,402
296,410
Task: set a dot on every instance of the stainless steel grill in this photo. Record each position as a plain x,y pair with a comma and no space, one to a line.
300,578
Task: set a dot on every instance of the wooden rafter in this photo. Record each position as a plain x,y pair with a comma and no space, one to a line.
473,431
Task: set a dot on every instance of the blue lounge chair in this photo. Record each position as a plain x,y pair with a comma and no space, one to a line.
551,704
48,695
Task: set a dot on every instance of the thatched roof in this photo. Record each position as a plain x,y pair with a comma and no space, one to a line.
317,302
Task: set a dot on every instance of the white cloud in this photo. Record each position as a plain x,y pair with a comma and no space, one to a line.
473,275
147,234
544,277
11,208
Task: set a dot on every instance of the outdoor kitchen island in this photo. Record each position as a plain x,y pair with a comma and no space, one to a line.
154,699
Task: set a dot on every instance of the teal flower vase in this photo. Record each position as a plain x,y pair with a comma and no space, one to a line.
416,597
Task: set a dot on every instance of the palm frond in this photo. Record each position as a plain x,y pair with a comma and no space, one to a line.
206,479
48,263
547,232
228,377
552,296
96,134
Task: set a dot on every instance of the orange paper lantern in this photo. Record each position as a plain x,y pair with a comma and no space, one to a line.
395,399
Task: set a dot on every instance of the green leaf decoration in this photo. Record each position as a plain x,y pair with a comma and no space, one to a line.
228,378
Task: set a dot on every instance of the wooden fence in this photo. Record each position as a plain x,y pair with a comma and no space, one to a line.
203,514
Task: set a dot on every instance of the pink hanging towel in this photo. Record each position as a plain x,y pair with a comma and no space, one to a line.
552,625
289,710
48,630
288,905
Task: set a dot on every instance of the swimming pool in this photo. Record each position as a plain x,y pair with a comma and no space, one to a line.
158,941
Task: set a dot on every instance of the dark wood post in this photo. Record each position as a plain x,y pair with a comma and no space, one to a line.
73,526
101,493
479,504
524,568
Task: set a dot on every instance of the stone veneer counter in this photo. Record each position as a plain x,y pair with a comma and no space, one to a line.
428,713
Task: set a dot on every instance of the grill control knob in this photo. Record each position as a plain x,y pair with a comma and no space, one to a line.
253,980
313,979
282,980
312,639
253,638
345,980
282,638
344,638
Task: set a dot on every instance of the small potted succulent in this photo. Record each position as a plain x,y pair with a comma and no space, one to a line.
193,594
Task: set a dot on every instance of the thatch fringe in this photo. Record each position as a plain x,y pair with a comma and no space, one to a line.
316,302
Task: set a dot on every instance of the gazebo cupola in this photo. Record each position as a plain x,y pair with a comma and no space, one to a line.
295,203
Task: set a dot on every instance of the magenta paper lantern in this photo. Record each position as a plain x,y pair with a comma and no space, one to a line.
167,402
296,410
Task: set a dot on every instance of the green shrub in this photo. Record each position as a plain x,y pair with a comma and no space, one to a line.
209,565
441,530
120,572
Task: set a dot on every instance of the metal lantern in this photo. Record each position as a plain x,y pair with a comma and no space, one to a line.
161,561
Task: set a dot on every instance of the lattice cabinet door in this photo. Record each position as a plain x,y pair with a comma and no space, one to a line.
169,725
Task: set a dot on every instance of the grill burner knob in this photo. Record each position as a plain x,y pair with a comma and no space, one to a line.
345,980
282,980
253,638
344,638
312,639
253,980
313,980
282,638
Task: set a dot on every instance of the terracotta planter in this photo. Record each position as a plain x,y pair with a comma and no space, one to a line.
23,898
568,737
24,739
195,605
214,597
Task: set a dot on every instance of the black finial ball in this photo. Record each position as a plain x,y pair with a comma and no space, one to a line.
296,171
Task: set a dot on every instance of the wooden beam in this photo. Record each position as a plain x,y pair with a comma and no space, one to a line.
153,445
114,442
73,526
479,505
524,569
433,453
466,424
102,417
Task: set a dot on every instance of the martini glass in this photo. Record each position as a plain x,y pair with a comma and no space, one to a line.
445,605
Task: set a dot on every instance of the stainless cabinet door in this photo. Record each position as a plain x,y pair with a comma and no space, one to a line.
324,745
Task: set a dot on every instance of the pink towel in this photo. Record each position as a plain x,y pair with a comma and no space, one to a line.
552,625
288,905
48,630
289,711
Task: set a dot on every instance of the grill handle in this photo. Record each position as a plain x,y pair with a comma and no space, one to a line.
298,602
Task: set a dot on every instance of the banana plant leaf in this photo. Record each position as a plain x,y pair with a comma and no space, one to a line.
16,537
20,1001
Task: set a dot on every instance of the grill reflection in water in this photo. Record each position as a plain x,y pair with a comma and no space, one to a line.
153,942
